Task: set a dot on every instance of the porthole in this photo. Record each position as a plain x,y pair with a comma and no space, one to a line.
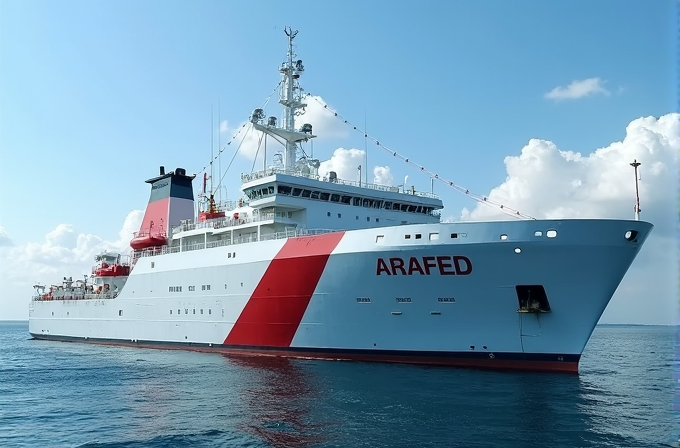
518,250
504,237
538,233
551,233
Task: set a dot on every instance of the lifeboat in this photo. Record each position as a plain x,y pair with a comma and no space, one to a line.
114,270
146,240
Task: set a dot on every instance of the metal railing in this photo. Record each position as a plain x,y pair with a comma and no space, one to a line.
291,233
219,223
89,296
249,177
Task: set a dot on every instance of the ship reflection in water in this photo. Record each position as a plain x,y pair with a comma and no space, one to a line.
295,403
279,397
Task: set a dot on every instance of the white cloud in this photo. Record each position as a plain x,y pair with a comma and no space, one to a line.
382,175
578,89
345,162
546,182
64,252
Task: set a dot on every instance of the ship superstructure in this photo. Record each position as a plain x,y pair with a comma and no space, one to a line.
317,266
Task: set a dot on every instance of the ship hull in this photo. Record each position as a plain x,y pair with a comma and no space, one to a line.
371,295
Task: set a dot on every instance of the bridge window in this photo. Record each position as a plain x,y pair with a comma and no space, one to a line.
284,189
297,191
346,199
314,195
306,193
335,198
324,196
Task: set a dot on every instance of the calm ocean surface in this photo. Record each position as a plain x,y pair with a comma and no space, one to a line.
55,394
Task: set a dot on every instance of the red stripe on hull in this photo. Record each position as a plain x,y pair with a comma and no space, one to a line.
274,311
480,363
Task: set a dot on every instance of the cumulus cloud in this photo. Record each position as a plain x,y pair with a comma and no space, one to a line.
382,175
345,162
546,182
578,89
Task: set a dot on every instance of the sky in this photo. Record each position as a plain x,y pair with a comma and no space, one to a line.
540,105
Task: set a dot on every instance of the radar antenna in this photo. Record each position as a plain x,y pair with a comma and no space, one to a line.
291,99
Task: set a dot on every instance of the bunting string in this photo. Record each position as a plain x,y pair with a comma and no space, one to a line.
477,197
247,122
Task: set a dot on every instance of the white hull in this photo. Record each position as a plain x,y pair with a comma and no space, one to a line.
330,296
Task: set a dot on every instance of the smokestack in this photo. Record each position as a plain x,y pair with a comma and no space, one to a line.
162,170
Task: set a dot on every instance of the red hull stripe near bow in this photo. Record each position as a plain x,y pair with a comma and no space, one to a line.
274,311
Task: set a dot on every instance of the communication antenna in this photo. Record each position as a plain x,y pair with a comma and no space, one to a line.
635,165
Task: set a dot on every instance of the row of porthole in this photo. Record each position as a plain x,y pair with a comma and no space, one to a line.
186,311
549,234
368,218
434,236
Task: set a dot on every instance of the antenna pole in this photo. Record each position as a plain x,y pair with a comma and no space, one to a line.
365,146
635,165
219,154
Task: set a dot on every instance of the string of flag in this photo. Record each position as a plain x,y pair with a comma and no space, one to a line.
247,122
477,197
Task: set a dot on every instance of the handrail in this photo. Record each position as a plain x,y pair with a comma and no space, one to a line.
249,177
162,250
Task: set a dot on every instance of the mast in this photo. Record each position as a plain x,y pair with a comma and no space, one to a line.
635,165
291,98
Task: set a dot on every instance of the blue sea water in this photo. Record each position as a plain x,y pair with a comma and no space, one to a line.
55,394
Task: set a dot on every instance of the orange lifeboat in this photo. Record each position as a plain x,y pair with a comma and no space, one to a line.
145,240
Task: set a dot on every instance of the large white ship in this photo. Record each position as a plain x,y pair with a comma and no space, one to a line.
314,267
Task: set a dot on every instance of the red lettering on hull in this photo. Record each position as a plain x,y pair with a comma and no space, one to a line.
443,265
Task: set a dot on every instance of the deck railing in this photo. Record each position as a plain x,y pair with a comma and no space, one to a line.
249,177
162,250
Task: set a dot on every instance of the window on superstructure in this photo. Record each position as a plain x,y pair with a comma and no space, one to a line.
179,311
186,310
209,311
297,191
346,199
194,311
335,198
283,189
339,215
306,193
201,310
207,287
356,201
170,311
328,214
315,195
324,196
368,218
270,189
377,219
120,312
418,236
407,237
454,235
387,205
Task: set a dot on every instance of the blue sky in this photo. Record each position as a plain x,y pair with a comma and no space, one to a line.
95,95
